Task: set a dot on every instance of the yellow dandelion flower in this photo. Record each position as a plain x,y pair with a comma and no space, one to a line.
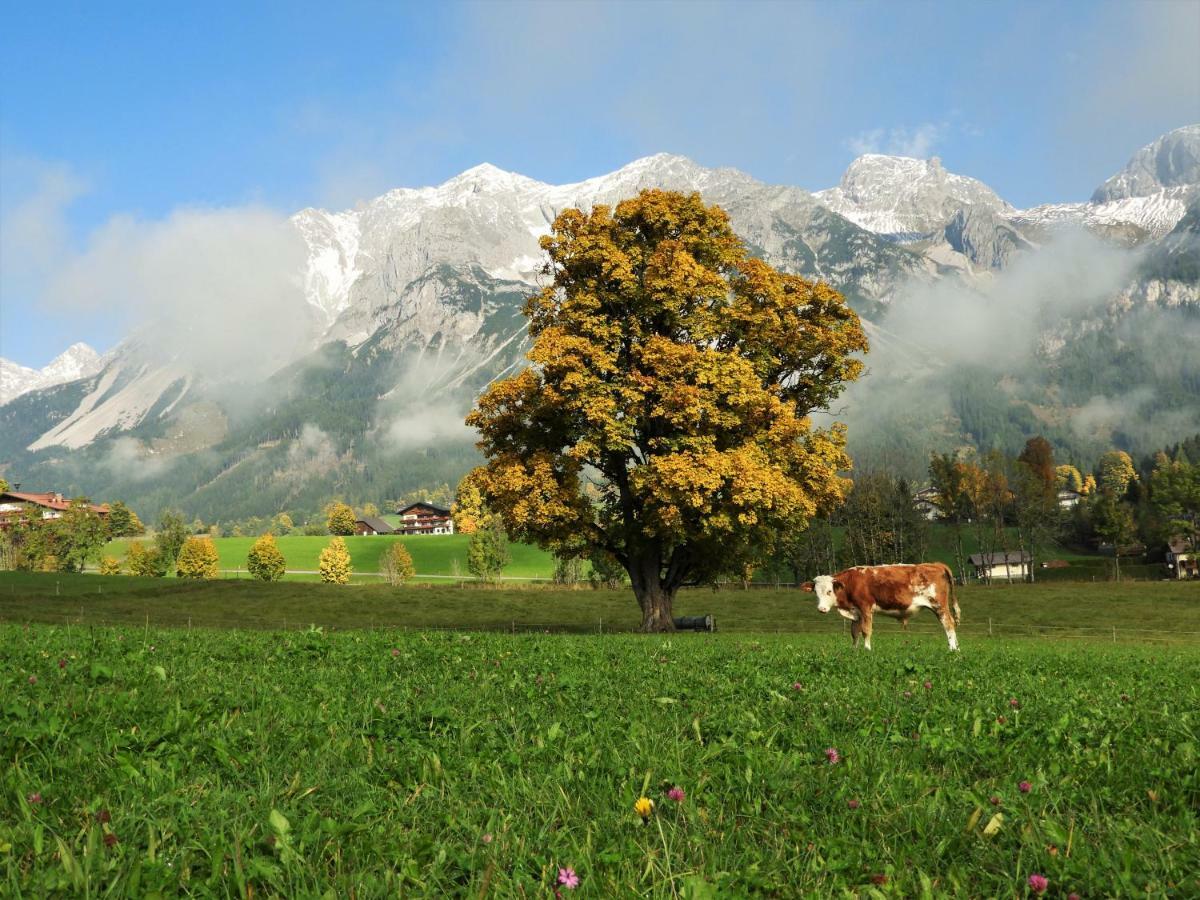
643,807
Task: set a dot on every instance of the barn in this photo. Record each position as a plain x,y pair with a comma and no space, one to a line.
1008,565
372,525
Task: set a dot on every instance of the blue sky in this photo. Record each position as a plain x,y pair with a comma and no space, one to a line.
117,113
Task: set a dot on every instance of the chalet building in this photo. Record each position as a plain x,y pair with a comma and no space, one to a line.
1182,560
925,500
1069,499
1007,565
20,506
372,525
425,518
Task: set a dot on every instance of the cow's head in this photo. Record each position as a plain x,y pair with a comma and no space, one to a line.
826,590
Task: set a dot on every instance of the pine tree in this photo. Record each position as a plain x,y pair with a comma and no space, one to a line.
334,564
265,561
197,559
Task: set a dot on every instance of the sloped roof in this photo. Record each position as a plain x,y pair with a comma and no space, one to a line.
376,524
47,500
423,505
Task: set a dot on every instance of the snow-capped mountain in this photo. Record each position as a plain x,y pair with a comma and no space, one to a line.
914,200
485,224
906,198
77,361
1172,161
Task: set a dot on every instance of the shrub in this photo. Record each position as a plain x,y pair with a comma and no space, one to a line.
265,561
334,564
144,561
110,565
396,564
197,559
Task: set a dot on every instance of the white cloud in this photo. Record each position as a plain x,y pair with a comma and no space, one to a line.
918,141
218,289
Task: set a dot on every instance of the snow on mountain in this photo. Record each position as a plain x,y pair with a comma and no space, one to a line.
1169,162
1129,220
904,197
406,259
77,361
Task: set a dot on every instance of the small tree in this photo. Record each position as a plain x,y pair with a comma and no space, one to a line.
1113,521
282,524
123,521
76,537
169,537
110,565
340,519
197,559
468,506
265,562
334,564
144,561
396,564
605,571
370,509
487,554
568,569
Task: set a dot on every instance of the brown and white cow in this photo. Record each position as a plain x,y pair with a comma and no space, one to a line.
900,591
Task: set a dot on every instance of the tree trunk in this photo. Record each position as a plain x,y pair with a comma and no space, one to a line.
656,610
655,599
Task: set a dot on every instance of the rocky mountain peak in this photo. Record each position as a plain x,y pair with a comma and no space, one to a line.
900,195
1171,161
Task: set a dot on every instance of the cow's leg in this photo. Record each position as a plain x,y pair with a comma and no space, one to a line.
855,630
866,628
948,625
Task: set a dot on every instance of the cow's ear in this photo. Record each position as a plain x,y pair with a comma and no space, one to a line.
807,586
838,586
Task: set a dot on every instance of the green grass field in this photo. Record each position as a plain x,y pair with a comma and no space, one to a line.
142,762
1161,611
433,554
438,557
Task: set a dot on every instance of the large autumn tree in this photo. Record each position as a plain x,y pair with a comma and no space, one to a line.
664,419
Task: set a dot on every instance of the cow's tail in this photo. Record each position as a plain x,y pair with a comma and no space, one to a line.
953,595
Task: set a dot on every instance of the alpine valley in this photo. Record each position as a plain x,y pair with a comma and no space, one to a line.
1078,321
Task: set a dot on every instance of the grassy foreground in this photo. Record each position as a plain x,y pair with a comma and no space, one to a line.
1160,611
146,763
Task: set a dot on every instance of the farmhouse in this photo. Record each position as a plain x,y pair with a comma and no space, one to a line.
1069,499
1009,565
425,518
925,500
1182,560
19,506
372,525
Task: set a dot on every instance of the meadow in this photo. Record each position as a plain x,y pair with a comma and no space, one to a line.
434,555
440,557
146,762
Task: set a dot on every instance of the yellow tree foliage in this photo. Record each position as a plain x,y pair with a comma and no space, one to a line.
468,505
340,519
1068,478
1115,472
396,564
265,561
334,563
110,565
676,374
144,560
197,559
